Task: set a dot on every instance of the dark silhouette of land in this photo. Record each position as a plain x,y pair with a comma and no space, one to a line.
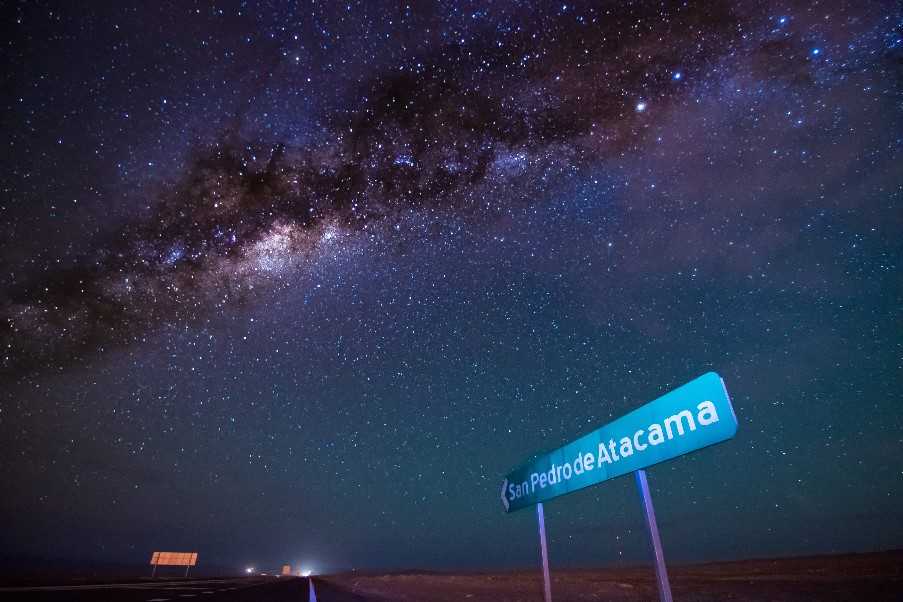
848,577
874,577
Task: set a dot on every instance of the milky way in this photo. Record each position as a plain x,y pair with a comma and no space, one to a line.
291,281
468,131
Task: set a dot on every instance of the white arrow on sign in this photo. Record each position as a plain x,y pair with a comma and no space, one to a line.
504,497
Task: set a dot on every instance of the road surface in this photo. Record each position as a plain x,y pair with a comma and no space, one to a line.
245,589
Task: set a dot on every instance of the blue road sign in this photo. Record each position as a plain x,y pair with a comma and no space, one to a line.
691,417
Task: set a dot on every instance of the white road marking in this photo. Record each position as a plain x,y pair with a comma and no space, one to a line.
183,588
312,595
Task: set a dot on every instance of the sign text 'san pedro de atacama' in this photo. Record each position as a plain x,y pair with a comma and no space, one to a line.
690,417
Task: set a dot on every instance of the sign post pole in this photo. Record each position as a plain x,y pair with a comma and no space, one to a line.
154,573
547,585
661,573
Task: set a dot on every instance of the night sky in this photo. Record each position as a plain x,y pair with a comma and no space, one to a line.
300,282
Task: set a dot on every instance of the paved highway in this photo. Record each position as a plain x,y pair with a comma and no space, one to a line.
246,589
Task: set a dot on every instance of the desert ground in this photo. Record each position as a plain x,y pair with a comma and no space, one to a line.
852,577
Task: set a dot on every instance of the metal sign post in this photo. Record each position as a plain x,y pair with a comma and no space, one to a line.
547,585
661,573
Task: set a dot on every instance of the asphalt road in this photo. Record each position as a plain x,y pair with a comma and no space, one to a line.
253,589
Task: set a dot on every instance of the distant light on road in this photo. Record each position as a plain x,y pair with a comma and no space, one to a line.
249,570
306,573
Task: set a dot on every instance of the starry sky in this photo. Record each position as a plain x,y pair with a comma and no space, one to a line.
301,281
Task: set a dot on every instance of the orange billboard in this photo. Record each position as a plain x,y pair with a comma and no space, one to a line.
286,570
174,558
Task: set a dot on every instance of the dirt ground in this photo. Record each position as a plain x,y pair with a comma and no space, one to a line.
853,577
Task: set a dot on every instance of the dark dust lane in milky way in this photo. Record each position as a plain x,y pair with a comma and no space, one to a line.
470,131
